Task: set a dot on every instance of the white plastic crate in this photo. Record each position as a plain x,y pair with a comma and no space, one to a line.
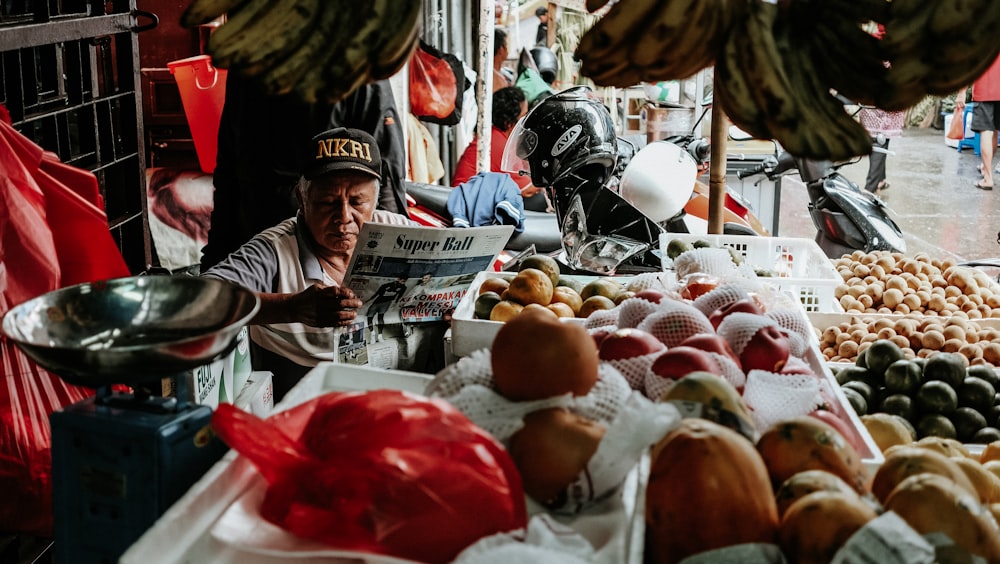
799,264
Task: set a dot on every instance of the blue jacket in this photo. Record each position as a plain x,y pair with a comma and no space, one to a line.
488,198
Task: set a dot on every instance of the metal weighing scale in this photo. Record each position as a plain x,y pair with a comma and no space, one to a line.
119,460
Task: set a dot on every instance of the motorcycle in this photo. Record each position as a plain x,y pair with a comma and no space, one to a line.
846,217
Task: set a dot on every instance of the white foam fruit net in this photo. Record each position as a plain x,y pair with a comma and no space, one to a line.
714,262
797,328
774,397
633,311
634,369
649,281
675,321
739,327
468,385
721,296
602,318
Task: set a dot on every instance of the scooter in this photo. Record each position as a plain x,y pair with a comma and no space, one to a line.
846,217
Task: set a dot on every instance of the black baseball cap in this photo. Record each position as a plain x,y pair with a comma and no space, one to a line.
541,11
343,149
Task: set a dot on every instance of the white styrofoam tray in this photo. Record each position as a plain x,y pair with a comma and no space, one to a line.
615,527
469,334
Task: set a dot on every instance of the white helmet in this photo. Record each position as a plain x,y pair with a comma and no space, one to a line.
659,180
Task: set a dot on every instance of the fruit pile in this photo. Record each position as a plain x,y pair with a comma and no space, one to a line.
918,336
941,396
884,282
774,81
802,486
538,284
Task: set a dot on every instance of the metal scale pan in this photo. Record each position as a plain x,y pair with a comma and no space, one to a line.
119,460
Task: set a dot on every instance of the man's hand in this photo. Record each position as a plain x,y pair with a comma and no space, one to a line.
316,306
530,190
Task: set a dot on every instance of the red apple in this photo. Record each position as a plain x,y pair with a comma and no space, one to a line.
677,362
768,350
601,333
628,343
746,305
711,342
651,295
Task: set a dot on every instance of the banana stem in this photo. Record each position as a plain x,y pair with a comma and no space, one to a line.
484,86
717,167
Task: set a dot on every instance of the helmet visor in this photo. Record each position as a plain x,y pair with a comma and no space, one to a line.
521,143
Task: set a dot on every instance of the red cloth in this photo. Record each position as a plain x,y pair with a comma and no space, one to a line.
466,167
987,87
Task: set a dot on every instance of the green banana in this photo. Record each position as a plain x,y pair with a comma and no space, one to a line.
611,36
278,36
284,74
764,65
395,44
848,59
675,23
203,11
225,43
733,91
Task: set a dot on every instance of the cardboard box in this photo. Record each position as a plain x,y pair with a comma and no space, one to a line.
220,381
257,395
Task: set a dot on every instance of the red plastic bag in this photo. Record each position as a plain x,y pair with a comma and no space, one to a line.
381,472
434,86
956,130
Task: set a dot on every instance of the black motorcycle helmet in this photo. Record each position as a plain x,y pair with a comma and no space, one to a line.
569,132
547,63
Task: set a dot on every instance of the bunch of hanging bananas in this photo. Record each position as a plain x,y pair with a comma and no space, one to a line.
778,64
320,50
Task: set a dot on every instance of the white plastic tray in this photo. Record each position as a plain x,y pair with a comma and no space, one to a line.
800,265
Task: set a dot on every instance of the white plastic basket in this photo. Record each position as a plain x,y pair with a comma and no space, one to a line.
799,264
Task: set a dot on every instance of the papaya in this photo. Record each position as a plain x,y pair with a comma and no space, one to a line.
947,447
903,462
987,484
807,482
721,402
932,503
708,488
816,526
806,443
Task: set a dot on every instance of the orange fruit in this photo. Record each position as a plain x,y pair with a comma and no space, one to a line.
561,309
530,286
505,310
545,263
497,285
601,287
568,296
594,303
537,308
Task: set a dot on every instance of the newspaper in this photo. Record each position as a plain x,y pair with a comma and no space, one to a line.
410,275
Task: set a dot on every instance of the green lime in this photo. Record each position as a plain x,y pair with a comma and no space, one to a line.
484,304
936,397
676,248
936,425
899,404
576,285
881,354
967,423
986,435
902,376
977,394
946,367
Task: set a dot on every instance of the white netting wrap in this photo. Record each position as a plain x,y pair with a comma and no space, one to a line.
714,262
723,295
602,318
739,327
793,320
468,385
730,370
649,281
632,311
655,385
773,397
634,369
675,321
797,365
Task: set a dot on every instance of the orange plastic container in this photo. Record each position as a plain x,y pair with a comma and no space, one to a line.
203,93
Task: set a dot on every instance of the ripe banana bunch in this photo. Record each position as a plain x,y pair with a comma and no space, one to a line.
654,40
320,50
937,47
769,86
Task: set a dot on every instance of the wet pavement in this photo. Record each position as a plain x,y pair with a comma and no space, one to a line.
932,198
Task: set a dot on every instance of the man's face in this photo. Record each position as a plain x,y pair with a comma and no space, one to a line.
425,279
336,206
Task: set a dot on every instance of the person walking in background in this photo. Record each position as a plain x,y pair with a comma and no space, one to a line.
509,105
882,126
542,35
985,119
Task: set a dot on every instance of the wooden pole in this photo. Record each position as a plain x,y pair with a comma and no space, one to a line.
484,85
717,170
